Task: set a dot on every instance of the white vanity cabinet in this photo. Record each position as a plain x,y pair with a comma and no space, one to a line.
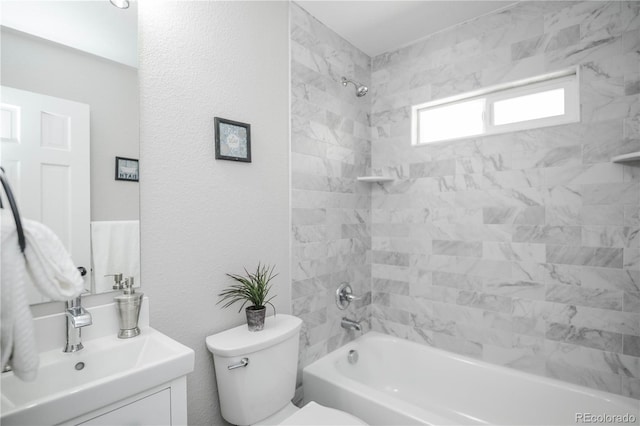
150,410
112,381
163,405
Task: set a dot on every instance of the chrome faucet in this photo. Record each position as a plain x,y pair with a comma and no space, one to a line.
344,296
77,317
350,324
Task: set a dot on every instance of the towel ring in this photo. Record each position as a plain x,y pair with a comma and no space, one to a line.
14,209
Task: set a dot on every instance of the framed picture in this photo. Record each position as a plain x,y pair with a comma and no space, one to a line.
127,169
233,140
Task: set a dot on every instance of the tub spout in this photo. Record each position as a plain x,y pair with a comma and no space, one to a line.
350,324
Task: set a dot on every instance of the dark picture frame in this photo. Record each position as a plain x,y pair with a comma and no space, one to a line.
232,140
127,169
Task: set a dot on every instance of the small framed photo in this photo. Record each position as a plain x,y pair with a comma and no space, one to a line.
127,169
233,140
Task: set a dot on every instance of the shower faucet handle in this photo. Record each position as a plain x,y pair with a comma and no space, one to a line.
344,296
350,297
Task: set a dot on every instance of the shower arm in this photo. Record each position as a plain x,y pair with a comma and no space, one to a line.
346,81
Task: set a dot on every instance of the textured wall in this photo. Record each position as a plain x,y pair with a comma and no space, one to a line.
330,147
109,88
520,249
202,217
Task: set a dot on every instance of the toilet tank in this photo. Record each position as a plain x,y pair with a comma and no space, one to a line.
267,383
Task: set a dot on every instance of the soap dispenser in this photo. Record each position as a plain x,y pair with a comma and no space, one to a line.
117,280
128,304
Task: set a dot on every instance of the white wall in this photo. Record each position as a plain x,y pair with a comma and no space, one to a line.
111,90
203,217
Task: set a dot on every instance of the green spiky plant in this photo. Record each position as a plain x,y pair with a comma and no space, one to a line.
253,288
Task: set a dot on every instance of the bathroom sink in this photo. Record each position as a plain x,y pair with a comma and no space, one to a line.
108,369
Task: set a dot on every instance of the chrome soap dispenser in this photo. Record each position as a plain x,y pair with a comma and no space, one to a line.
128,305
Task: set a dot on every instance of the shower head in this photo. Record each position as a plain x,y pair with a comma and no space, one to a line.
361,89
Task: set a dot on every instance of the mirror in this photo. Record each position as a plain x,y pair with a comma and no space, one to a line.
69,108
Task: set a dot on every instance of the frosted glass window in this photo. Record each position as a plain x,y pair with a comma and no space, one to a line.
545,100
454,121
529,107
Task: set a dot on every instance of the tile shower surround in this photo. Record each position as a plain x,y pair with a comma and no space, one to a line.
520,249
330,147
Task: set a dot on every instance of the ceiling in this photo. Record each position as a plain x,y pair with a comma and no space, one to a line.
377,27
93,26
372,26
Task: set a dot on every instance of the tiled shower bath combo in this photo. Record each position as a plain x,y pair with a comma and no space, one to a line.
520,249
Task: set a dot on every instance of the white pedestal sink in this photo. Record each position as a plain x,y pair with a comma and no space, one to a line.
74,385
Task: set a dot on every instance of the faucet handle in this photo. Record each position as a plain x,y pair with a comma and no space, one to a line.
350,297
78,316
83,319
344,296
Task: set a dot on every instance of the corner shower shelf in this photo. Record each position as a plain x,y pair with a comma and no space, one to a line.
374,179
626,158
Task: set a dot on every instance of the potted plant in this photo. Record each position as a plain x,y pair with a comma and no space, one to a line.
252,288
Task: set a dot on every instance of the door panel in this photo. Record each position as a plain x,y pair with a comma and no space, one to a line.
46,153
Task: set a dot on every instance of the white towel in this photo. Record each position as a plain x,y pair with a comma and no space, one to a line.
48,266
115,249
17,338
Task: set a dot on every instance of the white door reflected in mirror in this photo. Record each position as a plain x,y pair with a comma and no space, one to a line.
45,152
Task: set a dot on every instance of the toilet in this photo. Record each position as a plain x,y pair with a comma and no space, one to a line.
256,376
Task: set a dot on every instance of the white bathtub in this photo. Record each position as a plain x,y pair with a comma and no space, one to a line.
397,382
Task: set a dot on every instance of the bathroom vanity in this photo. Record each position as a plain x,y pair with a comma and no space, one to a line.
162,405
141,380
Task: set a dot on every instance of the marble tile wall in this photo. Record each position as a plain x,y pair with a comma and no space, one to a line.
521,249
330,147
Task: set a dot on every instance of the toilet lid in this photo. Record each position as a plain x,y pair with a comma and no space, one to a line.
316,414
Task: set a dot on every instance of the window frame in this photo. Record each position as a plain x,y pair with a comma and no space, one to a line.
567,79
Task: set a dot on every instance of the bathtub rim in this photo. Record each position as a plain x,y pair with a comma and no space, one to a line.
319,367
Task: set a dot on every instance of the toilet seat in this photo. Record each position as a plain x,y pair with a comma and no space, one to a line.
316,414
